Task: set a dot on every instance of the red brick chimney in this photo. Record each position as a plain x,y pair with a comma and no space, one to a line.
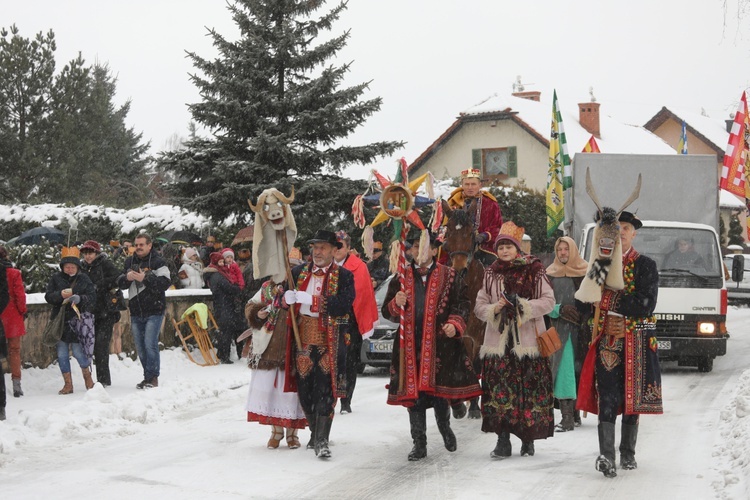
531,95
588,117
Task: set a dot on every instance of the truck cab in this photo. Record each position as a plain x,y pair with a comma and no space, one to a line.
691,307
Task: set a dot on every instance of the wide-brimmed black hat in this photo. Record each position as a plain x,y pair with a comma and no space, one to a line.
323,236
631,218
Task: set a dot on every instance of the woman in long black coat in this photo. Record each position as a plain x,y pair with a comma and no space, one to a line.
103,274
227,305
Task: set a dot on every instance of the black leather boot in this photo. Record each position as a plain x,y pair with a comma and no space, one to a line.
443,418
475,412
503,448
322,431
527,448
605,462
311,423
459,409
628,438
567,408
418,425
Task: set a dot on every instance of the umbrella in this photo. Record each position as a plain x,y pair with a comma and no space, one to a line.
243,236
35,236
184,237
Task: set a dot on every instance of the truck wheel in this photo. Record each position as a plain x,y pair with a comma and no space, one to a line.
705,365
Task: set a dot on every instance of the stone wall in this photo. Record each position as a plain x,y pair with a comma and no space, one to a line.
34,353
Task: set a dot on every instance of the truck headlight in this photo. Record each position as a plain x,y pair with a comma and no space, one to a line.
706,328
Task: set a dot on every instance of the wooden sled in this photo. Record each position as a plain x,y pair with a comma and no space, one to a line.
200,336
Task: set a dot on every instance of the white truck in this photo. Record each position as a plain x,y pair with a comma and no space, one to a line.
679,207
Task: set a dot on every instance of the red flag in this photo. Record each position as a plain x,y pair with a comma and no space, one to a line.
591,146
733,172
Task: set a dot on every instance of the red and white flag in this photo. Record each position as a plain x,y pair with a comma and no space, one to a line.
735,169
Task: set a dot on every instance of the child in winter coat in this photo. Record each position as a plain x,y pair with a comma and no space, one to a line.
235,273
191,271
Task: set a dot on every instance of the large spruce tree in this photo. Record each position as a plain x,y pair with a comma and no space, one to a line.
273,102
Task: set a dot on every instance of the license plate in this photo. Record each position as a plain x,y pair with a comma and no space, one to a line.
664,344
381,346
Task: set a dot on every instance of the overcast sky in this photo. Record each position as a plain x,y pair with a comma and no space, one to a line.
429,59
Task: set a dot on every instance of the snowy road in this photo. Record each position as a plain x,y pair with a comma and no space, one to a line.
188,439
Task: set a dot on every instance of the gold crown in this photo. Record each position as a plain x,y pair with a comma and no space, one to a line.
70,252
471,172
511,230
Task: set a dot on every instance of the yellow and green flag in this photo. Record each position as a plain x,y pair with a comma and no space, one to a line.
559,175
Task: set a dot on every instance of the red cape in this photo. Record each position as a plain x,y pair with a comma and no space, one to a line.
365,307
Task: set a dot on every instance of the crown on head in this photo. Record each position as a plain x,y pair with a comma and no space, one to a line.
70,252
471,172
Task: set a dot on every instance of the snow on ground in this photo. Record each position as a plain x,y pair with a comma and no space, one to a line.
189,439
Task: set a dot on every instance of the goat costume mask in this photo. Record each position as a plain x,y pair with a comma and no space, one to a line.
605,263
272,213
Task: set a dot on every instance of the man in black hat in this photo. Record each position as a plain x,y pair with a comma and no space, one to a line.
430,366
621,372
323,299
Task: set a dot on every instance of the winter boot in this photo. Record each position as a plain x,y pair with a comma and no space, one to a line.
322,431
605,462
2,413
459,410
567,408
277,434
628,437
68,387
418,425
311,423
503,448
527,448
17,391
87,378
443,418
292,441
346,406
475,412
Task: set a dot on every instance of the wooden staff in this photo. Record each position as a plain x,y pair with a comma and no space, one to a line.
290,283
595,328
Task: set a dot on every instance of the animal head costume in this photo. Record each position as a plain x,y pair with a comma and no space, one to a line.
605,263
273,214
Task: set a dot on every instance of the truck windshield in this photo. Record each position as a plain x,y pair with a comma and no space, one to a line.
678,250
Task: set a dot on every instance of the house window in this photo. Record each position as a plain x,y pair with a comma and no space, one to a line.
496,163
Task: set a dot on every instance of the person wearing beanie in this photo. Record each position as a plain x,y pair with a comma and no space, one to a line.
191,271
103,273
517,396
235,273
13,318
68,290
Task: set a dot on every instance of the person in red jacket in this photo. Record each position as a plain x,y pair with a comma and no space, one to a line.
484,211
365,312
12,318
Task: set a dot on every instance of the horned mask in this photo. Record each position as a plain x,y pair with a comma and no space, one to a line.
273,214
605,263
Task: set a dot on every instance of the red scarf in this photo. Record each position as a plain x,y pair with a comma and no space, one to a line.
522,276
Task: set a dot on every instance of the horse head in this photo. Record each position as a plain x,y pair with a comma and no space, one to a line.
459,236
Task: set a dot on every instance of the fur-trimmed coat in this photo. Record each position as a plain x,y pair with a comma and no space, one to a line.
529,318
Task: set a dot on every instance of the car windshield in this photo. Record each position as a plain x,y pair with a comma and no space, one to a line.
679,251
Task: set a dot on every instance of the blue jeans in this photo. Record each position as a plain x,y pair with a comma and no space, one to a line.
146,336
63,355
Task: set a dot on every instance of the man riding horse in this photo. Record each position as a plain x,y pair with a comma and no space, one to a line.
483,211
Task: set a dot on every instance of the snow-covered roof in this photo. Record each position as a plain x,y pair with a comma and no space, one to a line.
728,200
712,129
616,137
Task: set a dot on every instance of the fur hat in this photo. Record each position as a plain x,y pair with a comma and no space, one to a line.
91,245
510,232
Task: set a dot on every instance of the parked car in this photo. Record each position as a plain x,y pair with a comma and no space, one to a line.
376,350
738,292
